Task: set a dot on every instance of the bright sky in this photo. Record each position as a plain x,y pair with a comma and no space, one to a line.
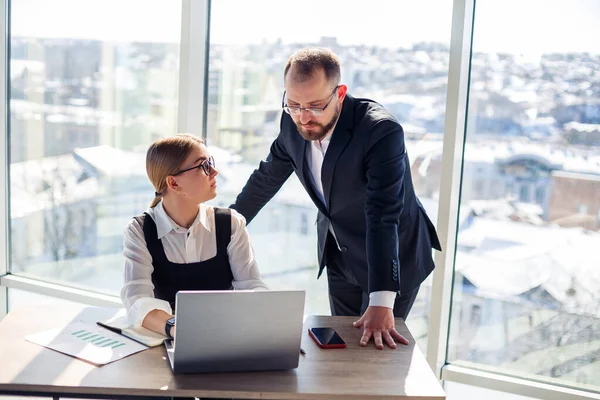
515,26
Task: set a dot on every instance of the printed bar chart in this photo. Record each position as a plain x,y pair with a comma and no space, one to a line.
97,339
87,341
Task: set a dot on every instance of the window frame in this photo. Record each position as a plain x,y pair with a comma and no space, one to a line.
4,176
459,68
193,57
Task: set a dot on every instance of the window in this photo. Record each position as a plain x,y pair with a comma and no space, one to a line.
403,66
304,224
540,195
524,193
526,293
525,287
477,188
88,95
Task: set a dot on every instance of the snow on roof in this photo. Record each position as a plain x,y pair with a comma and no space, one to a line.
46,183
507,258
110,161
581,127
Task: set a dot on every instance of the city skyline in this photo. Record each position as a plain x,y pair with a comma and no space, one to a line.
557,29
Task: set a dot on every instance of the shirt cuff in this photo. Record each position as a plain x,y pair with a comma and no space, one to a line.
382,299
142,306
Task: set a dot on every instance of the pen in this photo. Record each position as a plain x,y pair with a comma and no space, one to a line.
302,351
110,328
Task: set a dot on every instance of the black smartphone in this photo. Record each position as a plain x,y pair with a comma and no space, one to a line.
326,338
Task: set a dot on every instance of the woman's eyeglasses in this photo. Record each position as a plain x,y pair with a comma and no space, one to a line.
206,166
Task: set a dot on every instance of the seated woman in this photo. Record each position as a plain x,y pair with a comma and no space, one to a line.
180,243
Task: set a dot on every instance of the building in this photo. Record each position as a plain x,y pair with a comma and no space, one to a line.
575,200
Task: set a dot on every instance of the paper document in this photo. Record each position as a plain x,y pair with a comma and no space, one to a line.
87,341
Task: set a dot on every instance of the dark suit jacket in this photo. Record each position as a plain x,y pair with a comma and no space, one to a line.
370,201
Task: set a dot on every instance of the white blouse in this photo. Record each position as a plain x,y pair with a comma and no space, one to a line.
182,245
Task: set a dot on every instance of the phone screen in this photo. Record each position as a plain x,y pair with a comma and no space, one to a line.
327,336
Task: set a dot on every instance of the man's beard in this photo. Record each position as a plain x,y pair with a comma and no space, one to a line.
318,131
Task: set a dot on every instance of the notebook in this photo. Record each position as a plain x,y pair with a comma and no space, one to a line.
121,325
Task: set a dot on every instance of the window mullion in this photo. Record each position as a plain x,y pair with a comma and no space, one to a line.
450,183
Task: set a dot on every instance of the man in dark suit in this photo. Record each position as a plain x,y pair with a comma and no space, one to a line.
373,234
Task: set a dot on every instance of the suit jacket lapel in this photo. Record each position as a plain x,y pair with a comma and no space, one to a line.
339,140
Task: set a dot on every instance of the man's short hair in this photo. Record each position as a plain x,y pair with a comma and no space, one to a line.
308,60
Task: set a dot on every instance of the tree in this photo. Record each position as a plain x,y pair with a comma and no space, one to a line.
68,219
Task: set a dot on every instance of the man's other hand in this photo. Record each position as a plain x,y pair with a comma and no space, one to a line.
378,323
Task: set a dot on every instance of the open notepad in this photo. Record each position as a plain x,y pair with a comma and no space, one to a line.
119,324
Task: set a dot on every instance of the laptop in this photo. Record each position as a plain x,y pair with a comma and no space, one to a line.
236,330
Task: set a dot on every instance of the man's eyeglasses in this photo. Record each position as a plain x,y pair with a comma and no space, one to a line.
206,166
314,111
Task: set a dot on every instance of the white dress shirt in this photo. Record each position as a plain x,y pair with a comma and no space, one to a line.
316,155
182,245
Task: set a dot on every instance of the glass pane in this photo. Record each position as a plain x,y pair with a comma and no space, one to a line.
88,95
401,65
526,275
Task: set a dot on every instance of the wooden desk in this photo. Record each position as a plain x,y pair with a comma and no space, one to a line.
352,373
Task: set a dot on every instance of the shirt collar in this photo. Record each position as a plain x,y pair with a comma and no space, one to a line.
164,223
327,138
324,143
203,217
